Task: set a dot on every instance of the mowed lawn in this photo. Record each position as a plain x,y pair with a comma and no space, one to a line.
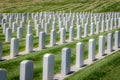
59,5
13,66
105,69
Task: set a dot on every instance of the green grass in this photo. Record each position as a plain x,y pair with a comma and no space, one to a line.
7,6
36,57
105,69
6,45
22,42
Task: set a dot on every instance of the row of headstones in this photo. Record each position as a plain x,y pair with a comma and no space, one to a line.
67,27
61,22
104,26
65,21
29,38
48,15
70,21
78,19
26,66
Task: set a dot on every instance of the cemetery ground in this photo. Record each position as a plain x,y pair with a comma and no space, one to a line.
105,69
12,66
8,6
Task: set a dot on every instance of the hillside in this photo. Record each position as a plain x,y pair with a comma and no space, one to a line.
7,6
25,25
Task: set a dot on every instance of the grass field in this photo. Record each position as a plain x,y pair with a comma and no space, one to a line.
13,69
59,5
6,45
106,69
22,42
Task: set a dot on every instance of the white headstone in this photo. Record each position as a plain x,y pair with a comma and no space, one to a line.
66,59
111,24
86,30
46,28
79,54
29,43
117,39
8,35
92,50
109,43
98,27
4,28
19,32
3,74
48,67
62,35
53,26
101,49
53,38
26,70
0,50
14,47
14,27
37,30
41,40
107,25
79,32
103,26
92,29
71,34
29,29
115,25
67,25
